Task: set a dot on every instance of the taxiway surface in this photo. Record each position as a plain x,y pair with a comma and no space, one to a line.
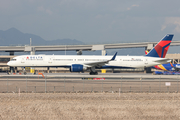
86,75
83,82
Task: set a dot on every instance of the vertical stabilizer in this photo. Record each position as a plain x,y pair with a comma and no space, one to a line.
162,47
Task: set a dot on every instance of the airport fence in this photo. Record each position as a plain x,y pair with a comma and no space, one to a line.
83,85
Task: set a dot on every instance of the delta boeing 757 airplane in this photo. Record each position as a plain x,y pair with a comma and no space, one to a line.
80,63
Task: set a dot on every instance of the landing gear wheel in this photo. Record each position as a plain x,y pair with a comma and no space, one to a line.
93,73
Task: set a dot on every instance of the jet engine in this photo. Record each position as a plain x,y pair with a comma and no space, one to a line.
77,68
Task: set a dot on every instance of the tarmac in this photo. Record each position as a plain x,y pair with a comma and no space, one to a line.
86,75
83,82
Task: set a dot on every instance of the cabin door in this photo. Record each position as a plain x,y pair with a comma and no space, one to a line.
23,60
146,61
50,60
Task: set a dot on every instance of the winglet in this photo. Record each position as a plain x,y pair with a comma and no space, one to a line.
114,57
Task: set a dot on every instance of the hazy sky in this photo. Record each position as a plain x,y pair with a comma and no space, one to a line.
93,21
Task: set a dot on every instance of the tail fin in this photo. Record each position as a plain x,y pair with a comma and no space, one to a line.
146,52
162,47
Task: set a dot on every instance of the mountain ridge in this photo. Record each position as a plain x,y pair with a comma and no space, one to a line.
13,36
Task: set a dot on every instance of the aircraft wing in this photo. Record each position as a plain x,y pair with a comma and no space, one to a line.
100,63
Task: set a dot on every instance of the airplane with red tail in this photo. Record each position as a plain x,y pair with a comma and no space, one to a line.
80,63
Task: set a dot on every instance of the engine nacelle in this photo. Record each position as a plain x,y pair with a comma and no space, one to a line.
77,68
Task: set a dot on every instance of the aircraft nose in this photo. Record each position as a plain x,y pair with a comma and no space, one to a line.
9,63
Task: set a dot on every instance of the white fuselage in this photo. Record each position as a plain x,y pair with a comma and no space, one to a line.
68,60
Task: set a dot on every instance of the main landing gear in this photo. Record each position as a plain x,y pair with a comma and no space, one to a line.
93,71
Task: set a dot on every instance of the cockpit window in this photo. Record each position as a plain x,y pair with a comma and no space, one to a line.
13,59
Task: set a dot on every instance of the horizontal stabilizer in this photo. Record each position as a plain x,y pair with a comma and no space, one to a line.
162,61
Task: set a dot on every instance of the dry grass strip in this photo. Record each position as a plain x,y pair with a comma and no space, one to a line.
90,106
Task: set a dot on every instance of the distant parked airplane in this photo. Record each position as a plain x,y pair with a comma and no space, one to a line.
79,63
166,67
